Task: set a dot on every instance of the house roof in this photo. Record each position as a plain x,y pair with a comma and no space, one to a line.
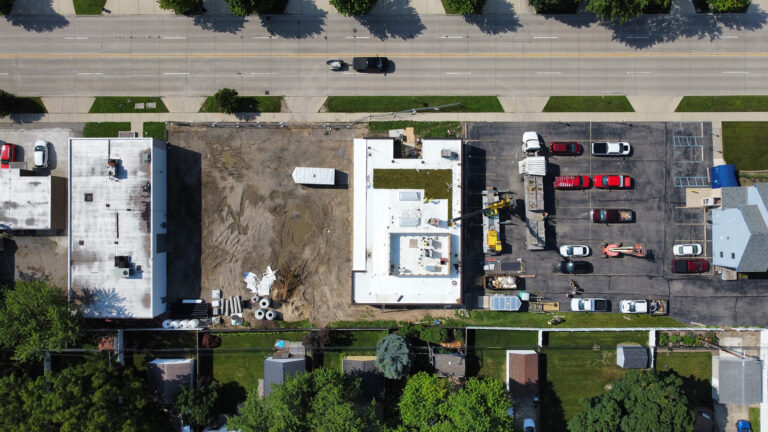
632,356
738,381
372,380
276,370
754,219
753,258
165,377
734,197
523,366
449,365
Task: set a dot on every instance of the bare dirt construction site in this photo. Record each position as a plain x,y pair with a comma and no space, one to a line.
233,207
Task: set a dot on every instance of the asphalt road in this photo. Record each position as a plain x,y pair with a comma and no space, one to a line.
502,55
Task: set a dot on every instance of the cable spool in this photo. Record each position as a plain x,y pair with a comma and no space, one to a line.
259,314
194,323
167,324
271,315
175,324
264,302
183,324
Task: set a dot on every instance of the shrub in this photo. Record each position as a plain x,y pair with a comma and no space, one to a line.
225,100
393,356
663,339
433,334
675,339
466,7
689,340
181,6
353,7
409,330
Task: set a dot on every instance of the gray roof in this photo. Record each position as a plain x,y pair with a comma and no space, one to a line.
734,196
754,219
449,365
738,381
632,356
762,190
165,377
277,370
753,259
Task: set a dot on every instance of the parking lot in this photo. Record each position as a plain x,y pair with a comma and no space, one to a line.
666,158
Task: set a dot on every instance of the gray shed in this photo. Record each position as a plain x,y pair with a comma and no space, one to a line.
632,356
449,365
165,377
736,381
276,370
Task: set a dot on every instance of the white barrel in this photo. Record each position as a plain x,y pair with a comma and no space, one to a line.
264,302
175,324
259,314
194,323
167,323
270,315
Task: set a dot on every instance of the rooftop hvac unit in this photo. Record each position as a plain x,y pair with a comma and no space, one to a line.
123,272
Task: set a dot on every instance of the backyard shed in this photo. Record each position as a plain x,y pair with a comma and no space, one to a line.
372,380
736,381
449,365
523,372
632,356
165,377
276,370
314,176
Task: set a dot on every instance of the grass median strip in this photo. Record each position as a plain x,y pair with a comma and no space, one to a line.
744,145
588,104
420,129
263,104
105,129
723,104
404,103
155,130
88,7
127,104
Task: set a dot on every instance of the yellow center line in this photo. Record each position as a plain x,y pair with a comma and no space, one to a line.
392,55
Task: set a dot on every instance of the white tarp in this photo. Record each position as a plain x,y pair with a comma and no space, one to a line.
317,176
263,286
534,165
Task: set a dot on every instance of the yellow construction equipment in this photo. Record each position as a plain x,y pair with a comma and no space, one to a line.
493,242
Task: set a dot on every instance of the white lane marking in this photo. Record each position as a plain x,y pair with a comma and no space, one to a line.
458,73
736,72
3,73
729,37
357,37
544,37
174,37
75,38
449,37
263,73
346,73
265,37
638,73
547,73
175,73
90,73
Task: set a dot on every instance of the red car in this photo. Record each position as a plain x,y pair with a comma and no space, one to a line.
690,266
565,148
7,155
612,181
571,182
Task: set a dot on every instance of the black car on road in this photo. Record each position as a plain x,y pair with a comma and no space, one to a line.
370,64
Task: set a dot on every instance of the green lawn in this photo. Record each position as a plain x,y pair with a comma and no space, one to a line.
402,103
754,418
126,104
27,105
347,343
696,370
105,129
590,340
146,346
421,129
437,184
723,104
588,104
490,350
88,7
247,104
574,373
155,130
745,144
238,363
572,319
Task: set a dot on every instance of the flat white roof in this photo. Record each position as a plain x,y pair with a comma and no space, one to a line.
111,216
25,200
398,257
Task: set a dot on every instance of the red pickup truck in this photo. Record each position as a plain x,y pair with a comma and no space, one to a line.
612,181
571,182
690,266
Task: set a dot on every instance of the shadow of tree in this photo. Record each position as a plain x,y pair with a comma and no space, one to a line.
552,412
503,19
310,23
230,395
219,23
37,18
400,20
106,303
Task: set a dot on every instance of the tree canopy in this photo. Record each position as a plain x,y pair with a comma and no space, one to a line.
393,356
353,7
181,6
323,400
421,399
617,10
225,100
37,317
466,7
728,5
94,396
248,7
197,406
639,401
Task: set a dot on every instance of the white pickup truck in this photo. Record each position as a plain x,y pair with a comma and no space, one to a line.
611,148
531,142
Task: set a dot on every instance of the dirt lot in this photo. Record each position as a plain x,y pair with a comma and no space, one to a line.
250,214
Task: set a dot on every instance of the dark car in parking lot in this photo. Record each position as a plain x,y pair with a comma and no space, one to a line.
690,266
561,148
370,64
611,215
573,267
